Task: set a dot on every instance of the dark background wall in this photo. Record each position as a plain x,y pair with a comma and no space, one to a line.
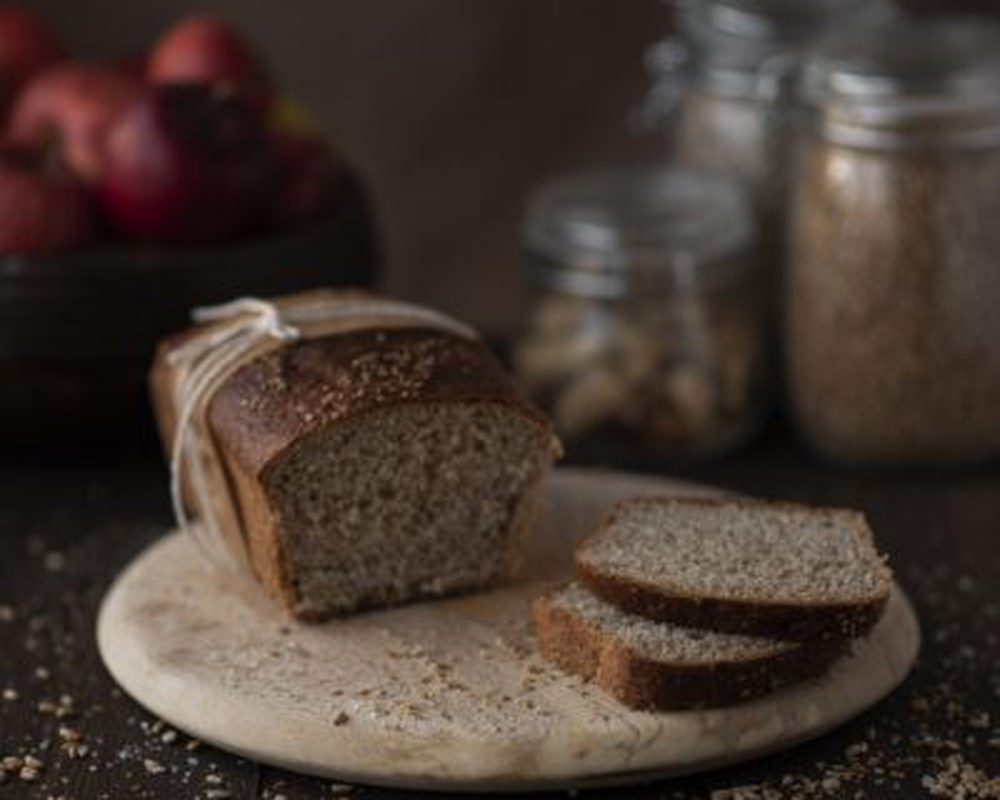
449,108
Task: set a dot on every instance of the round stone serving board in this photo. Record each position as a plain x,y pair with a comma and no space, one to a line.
447,695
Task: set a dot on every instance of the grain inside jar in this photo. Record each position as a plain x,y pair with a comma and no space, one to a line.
893,305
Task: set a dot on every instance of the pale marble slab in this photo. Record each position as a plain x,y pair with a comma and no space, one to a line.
447,695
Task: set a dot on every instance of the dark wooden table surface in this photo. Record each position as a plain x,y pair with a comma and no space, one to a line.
66,529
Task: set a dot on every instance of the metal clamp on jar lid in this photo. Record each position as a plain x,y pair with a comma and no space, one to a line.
745,48
907,83
612,232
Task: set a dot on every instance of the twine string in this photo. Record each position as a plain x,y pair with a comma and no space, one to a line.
204,363
209,359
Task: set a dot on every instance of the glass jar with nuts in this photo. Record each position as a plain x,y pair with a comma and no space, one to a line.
646,323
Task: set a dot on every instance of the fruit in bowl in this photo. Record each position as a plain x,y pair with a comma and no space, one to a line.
188,164
204,49
73,104
43,207
309,178
27,45
133,191
184,145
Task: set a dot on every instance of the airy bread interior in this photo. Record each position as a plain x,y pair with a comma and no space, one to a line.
756,551
411,501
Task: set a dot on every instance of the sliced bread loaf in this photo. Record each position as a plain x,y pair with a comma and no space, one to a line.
650,665
740,566
369,467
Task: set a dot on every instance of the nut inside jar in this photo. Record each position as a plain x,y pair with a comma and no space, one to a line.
683,375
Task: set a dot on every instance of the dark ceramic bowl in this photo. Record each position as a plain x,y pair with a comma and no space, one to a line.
77,332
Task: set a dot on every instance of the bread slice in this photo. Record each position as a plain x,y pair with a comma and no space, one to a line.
650,665
764,568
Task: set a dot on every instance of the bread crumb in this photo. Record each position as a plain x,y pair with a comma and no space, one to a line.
75,750
29,774
11,764
153,767
980,720
68,734
749,792
960,779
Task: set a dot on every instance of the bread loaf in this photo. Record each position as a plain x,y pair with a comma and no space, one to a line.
386,460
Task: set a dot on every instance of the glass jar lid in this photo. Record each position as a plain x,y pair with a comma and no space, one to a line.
907,80
740,44
603,232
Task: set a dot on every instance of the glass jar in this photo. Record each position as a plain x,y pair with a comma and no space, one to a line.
646,325
893,305
719,89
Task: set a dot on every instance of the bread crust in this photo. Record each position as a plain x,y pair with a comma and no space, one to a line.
801,621
276,399
578,646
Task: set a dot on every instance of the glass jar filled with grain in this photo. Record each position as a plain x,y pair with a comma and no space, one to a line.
893,306
719,90
646,324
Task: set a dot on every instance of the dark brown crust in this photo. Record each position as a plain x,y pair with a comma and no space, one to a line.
275,400
579,647
263,544
801,621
